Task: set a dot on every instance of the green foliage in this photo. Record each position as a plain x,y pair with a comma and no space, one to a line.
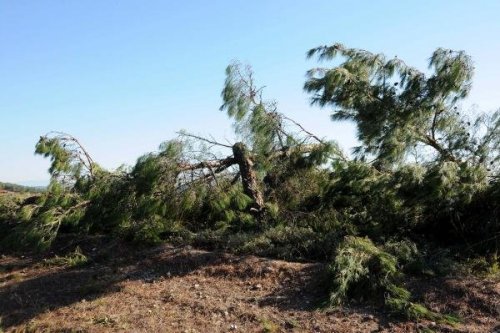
288,242
360,264
72,259
433,175
230,209
256,119
410,258
39,221
71,165
59,156
265,130
400,110
363,269
10,205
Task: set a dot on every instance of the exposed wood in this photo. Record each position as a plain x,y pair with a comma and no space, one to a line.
248,176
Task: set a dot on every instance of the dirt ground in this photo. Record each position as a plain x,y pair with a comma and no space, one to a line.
169,289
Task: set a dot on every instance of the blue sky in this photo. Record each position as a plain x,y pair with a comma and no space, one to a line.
123,76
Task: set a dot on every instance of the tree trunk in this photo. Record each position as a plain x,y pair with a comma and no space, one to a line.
248,177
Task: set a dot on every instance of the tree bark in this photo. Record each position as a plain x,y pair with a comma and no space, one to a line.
248,177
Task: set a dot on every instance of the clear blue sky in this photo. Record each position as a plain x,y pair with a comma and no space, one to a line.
123,76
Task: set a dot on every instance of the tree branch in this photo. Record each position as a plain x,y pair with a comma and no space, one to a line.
303,129
184,134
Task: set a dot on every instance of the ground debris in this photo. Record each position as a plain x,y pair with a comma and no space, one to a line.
190,290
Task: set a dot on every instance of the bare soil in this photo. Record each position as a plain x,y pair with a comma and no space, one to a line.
172,289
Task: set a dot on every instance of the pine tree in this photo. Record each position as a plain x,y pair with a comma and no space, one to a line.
401,111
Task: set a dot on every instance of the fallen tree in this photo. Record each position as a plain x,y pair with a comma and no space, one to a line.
425,177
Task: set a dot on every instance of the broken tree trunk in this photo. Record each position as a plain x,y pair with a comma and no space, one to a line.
248,177
243,157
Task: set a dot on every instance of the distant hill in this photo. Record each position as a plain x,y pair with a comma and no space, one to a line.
20,188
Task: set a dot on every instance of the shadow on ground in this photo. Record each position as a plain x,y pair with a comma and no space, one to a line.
54,287
30,288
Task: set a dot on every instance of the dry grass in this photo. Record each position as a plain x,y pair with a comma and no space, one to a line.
168,289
